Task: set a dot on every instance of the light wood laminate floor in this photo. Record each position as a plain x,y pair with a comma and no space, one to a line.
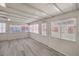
26,47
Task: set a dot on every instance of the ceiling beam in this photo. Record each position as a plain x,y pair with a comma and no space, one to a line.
8,15
12,21
16,14
5,16
36,8
45,12
24,12
57,7
53,16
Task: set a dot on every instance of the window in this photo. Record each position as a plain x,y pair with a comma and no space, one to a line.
65,29
31,28
34,28
2,27
19,28
44,29
15,28
68,29
55,30
25,28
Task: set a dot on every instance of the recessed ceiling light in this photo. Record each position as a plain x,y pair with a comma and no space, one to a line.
3,4
9,19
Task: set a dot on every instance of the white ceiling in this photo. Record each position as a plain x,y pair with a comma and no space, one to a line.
29,12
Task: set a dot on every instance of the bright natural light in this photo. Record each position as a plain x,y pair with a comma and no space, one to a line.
3,4
2,27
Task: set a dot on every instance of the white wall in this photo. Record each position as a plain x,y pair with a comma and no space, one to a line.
66,47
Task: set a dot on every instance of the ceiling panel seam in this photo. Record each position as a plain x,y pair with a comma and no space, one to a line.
37,9
12,16
23,11
14,13
58,7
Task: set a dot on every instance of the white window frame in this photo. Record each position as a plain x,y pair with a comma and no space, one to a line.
43,29
2,27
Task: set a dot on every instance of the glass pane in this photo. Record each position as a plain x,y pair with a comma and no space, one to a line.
2,27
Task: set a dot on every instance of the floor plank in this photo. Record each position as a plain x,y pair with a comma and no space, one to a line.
26,47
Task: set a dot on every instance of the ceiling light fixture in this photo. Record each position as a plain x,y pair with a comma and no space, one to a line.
9,19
